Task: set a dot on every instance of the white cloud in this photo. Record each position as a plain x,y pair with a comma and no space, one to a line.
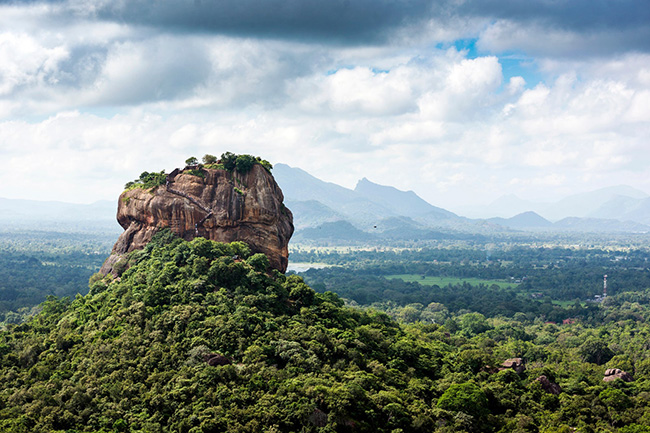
516,84
416,117
359,91
474,76
25,62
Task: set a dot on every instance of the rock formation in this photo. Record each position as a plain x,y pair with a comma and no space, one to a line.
548,386
216,359
517,364
611,374
216,204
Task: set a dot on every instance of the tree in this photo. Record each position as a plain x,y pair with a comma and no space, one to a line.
473,324
228,159
209,159
191,161
244,163
464,397
259,262
595,351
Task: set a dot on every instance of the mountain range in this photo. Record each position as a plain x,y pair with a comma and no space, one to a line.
324,210
620,202
314,201
392,213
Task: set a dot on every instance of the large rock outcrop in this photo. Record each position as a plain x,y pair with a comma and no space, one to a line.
218,205
611,374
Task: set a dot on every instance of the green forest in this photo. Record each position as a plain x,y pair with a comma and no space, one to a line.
201,336
38,264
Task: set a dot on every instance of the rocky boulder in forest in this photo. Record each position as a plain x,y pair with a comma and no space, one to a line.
517,364
214,203
611,374
548,386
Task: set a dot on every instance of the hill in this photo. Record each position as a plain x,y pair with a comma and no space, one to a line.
365,206
524,221
402,203
197,337
235,198
589,203
189,339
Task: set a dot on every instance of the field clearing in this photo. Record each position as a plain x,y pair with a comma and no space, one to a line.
444,281
565,304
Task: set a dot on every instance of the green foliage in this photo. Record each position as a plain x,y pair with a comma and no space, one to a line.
596,351
135,350
191,161
196,172
147,180
243,163
209,159
615,398
34,265
473,324
229,160
130,356
259,262
635,428
464,397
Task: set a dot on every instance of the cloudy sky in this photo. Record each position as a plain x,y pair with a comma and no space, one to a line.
461,101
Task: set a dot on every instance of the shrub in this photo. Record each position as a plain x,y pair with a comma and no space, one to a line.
147,180
243,163
197,172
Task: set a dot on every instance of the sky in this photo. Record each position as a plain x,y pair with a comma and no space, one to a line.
461,101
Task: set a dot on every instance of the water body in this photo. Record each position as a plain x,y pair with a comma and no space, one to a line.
298,267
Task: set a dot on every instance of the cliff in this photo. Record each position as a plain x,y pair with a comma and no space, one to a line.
217,204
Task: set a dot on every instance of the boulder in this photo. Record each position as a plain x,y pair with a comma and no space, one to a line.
548,386
611,374
215,359
517,364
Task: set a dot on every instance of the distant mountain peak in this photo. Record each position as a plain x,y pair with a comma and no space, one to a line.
405,203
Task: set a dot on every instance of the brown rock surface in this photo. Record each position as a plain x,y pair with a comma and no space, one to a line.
211,207
548,386
215,359
611,374
517,364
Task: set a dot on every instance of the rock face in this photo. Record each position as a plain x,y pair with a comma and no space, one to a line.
219,205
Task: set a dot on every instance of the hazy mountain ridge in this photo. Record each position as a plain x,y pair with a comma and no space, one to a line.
620,202
524,220
533,221
404,203
365,207
97,217
56,210
384,212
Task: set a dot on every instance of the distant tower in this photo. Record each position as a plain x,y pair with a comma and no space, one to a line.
605,286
